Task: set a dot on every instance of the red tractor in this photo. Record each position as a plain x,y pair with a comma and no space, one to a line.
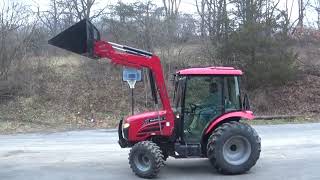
204,121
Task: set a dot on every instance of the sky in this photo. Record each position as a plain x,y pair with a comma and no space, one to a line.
188,6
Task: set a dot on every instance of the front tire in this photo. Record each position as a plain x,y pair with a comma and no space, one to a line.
146,159
233,148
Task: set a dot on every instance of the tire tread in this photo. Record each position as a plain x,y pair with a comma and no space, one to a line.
156,152
217,134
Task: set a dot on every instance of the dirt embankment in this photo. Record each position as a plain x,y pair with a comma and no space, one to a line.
298,97
69,93
301,97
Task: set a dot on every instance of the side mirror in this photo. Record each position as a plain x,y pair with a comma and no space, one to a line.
246,103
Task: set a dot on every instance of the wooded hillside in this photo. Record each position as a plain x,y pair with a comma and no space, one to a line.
44,87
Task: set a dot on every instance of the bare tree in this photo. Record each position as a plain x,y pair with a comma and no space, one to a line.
171,8
288,24
300,13
51,18
286,15
83,9
316,7
14,19
302,5
214,18
123,11
202,17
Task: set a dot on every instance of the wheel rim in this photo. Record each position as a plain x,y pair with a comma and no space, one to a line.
142,162
236,150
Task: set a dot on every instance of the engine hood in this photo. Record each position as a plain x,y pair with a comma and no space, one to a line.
146,116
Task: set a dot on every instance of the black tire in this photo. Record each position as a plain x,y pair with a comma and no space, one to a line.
222,148
146,159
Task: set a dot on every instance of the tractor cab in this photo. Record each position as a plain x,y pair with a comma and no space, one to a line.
203,94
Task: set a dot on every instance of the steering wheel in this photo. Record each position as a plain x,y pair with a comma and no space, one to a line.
193,107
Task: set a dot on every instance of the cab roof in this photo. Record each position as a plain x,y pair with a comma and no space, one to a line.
214,70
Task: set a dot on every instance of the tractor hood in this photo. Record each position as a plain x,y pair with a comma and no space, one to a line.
78,38
147,116
144,125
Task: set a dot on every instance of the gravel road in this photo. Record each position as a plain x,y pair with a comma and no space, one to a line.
288,152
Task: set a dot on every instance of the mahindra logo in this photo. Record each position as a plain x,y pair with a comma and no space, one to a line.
147,121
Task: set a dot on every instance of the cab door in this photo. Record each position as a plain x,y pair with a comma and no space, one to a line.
203,102
178,104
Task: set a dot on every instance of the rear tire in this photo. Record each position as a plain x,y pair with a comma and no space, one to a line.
233,148
146,159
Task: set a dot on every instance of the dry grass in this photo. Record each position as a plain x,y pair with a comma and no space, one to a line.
29,115
301,97
300,120
63,93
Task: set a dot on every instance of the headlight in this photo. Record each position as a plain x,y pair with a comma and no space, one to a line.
125,125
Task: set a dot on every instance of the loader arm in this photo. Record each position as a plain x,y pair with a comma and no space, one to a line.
84,38
134,59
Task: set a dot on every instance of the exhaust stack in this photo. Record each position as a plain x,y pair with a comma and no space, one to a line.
78,38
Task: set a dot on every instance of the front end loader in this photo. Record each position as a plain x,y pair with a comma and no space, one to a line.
202,122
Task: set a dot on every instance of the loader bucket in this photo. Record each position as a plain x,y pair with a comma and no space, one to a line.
78,38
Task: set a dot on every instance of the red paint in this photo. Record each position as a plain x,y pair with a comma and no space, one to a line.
211,71
103,49
145,115
241,114
141,130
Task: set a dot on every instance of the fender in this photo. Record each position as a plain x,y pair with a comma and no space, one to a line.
238,114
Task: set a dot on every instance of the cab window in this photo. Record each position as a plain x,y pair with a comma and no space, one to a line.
231,94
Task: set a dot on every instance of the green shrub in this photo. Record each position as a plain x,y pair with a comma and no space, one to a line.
265,58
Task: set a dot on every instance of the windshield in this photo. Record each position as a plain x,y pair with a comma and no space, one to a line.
231,91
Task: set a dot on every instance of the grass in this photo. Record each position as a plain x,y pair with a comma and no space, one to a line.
39,119
299,120
23,115
10,127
